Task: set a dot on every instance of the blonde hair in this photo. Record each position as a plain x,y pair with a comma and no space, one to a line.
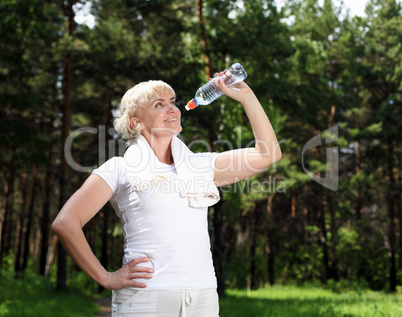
130,106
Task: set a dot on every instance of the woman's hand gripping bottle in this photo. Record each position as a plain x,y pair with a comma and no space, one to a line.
211,91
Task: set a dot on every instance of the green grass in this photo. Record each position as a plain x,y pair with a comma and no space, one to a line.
36,296
293,301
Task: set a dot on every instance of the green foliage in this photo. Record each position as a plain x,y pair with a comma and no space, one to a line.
81,281
237,270
348,248
302,63
346,286
305,264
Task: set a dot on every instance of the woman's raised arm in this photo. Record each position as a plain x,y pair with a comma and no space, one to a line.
235,165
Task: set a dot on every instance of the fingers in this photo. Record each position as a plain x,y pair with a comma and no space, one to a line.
133,283
129,274
138,260
140,275
133,265
137,271
131,279
225,89
218,74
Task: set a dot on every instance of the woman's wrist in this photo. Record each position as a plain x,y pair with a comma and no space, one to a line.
105,280
101,277
249,98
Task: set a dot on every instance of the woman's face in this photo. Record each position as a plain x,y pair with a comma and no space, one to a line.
161,116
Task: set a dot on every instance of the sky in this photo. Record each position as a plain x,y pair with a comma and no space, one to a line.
356,8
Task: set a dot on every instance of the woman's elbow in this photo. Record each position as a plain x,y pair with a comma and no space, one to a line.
277,156
269,156
274,157
57,226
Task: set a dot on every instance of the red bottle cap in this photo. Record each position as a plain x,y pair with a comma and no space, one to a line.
191,105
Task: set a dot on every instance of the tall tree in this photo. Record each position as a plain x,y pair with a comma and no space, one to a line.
314,96
382,93
67,7
22,32
204,40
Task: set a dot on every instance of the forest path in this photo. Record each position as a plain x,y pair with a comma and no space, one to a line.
105,308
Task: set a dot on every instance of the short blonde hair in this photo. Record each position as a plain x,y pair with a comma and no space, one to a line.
130,106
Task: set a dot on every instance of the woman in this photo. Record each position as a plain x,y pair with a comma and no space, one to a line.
161,192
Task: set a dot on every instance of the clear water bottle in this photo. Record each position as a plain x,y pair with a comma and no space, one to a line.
211,91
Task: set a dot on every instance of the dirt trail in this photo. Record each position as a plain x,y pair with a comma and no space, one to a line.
105,309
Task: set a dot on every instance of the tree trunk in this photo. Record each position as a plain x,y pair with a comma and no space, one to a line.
50,254
357,170
306,218
106,107
358,203
45,221
293,206
270,242
391,214
3,210
323,234
399,210
253,247
63,180
306,214
204,41
334,237
20,224
321,225
331,207
7,210
45,243
105,219
29,224
218,250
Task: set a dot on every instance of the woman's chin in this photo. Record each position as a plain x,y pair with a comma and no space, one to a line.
166,130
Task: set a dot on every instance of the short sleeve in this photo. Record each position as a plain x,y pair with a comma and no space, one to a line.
112,172
211,157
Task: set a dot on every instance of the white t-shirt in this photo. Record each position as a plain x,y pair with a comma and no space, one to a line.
160,224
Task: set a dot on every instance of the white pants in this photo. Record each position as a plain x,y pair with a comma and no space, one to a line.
129,302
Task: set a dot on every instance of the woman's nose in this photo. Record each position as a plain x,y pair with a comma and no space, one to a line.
172,108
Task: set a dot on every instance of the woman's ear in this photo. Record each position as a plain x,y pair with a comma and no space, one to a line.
134,123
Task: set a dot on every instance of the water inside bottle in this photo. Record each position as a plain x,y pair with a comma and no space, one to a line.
209,92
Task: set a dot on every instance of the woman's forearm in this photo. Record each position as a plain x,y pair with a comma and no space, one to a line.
78,210
266,142
248,161
74,241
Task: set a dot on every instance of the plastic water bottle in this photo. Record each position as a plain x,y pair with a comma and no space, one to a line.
211,91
